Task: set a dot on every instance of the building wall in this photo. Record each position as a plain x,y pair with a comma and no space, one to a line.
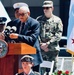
35,6
64,14
9,3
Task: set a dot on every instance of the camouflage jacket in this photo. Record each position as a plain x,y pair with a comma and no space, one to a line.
50,31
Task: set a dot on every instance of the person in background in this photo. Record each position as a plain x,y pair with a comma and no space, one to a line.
28,30
2,23
2,27
51,32
27,63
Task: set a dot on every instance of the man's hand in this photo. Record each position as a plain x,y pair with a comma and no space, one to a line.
13,36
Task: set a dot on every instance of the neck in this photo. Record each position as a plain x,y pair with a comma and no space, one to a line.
50,16
27,71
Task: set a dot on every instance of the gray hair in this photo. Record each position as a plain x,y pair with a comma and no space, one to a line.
25,8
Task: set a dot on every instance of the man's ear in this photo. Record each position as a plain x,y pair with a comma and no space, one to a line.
29,13
32,64
52,8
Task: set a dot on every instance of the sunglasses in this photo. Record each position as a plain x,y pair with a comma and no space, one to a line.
21,14
46,8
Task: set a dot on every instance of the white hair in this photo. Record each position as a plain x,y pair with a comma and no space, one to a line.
25,8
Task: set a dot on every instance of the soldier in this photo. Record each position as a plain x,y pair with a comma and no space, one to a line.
51,32
2,23
27,63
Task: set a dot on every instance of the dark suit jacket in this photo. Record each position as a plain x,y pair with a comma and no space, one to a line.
29,35
11,24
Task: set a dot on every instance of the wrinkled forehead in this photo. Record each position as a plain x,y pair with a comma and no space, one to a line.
22,11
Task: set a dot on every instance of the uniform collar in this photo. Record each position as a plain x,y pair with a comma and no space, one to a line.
29,72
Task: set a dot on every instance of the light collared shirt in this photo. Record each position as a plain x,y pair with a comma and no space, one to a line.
29,72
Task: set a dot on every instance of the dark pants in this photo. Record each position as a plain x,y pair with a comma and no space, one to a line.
50,56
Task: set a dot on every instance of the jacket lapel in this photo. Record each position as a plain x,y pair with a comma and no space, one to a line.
26,26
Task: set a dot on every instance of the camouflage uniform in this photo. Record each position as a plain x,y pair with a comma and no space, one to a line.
50,32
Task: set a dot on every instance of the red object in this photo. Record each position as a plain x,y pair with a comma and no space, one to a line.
66,72
59,72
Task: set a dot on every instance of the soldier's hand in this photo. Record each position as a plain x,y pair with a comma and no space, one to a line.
44,47
46,50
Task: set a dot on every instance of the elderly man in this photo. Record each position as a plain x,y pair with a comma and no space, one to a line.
28,30
16,7
51,32
14,22
27,63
